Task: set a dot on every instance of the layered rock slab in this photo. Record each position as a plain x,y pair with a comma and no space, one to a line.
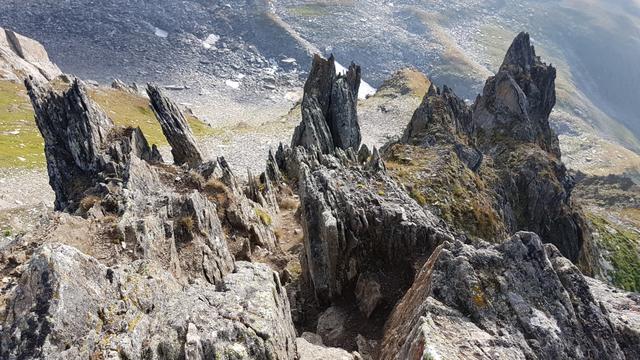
329,108
175,128
70,306
517,300
356,219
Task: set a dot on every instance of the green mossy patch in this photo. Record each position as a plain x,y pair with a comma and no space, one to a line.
436,177
623,252
264,216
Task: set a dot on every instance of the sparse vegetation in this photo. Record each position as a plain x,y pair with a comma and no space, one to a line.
623,251
21,142
183,229
437,178
264,216
88,202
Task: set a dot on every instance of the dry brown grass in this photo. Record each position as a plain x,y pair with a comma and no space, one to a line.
88,202
288,203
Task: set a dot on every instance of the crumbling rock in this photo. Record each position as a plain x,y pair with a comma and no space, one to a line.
516,300
175,128
329,108
68,305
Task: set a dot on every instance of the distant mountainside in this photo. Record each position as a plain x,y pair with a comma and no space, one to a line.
262,46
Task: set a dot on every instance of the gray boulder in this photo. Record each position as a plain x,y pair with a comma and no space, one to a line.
517,300
68,305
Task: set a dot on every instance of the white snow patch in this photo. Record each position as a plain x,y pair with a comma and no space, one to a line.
232,84
160,33
365,89
288,60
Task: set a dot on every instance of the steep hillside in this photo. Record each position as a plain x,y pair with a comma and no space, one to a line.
460,43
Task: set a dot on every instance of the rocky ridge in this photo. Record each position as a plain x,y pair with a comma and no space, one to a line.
379,271
506,142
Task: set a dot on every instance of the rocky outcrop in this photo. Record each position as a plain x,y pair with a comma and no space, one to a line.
329,108
505,138
84,151
356,220
22,57
443,118
517,101
98,170
175,128
517,300
68,305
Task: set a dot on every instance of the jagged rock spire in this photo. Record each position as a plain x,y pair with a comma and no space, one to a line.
74,130
329,108
175,128
441,116
517,101
84,149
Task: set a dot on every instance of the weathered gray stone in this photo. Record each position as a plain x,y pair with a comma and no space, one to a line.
354,219
22,57
70,306
331,325
329,108
368,293
517,300
517,102
175,128
310,351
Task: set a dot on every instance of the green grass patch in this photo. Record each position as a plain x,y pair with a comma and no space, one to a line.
623,247
22,145
264,216
20,141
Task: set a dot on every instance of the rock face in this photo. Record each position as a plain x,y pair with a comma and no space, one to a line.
517,300
517,101
329,108
356,220
175,129
82,147
21,57
70,306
